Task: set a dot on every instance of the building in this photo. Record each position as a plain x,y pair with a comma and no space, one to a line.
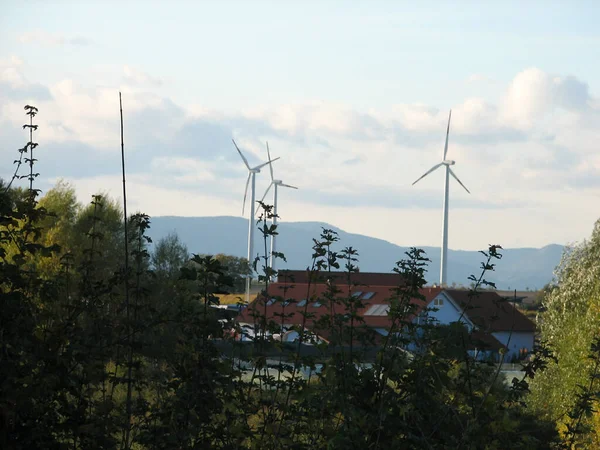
488,313
492,322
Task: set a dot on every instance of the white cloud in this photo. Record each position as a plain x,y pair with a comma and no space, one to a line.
12,61
137,77
478,78
539,138
14,86
52,39
534,95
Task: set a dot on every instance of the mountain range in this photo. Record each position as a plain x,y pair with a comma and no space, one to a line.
519,268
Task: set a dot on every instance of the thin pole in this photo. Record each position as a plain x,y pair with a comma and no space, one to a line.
31,153
130,358
273,237
444,258
251,237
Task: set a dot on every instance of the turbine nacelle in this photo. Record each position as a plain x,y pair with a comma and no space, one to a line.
274,182
272,260
448,162
251,172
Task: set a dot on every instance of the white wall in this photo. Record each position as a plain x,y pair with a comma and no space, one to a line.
447,313
518,340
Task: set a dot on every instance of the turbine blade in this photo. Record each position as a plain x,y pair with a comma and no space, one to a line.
266,192
246,192
264,164
288,186
447,133
459,182
241,154
428,172
270,165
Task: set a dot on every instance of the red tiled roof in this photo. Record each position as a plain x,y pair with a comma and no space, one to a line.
312,292
490,312
391,279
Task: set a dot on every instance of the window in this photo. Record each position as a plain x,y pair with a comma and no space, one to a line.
368,295
316,304
301,303
286,302
270,302
378,310
438,301
357,294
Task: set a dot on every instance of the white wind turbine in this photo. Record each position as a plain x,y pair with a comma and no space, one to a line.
252,171
275,184
447,163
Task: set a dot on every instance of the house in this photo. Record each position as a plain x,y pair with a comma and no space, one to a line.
488,313
300,297
492,322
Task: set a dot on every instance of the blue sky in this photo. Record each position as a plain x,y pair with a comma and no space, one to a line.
353,96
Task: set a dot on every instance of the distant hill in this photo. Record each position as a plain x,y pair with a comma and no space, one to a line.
520,268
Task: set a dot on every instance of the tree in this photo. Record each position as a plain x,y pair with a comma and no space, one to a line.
236,268
569,323
102,220
63,208
169,255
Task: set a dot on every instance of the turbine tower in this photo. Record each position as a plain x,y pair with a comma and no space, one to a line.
275,184
252,171
447,163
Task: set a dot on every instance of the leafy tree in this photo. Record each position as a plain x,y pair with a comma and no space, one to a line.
236,268
63,208
169,256
569,325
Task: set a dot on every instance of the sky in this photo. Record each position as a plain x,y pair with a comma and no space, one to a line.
352,96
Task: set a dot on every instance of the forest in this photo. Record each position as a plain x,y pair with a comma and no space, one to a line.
110,341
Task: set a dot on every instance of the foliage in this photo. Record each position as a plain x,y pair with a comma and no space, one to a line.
235,267
569,324
95,356
169,255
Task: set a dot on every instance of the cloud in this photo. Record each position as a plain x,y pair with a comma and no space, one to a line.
337,155
533,95
52,39
478,78
137,77
403,198
12,61
14,86
352,161
25,93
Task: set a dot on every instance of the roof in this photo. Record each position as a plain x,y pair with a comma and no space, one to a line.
480,340
527,297
490,312
390,279
369,296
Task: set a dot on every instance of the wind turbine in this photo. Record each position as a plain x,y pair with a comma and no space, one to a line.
447,163
275,184
252,171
